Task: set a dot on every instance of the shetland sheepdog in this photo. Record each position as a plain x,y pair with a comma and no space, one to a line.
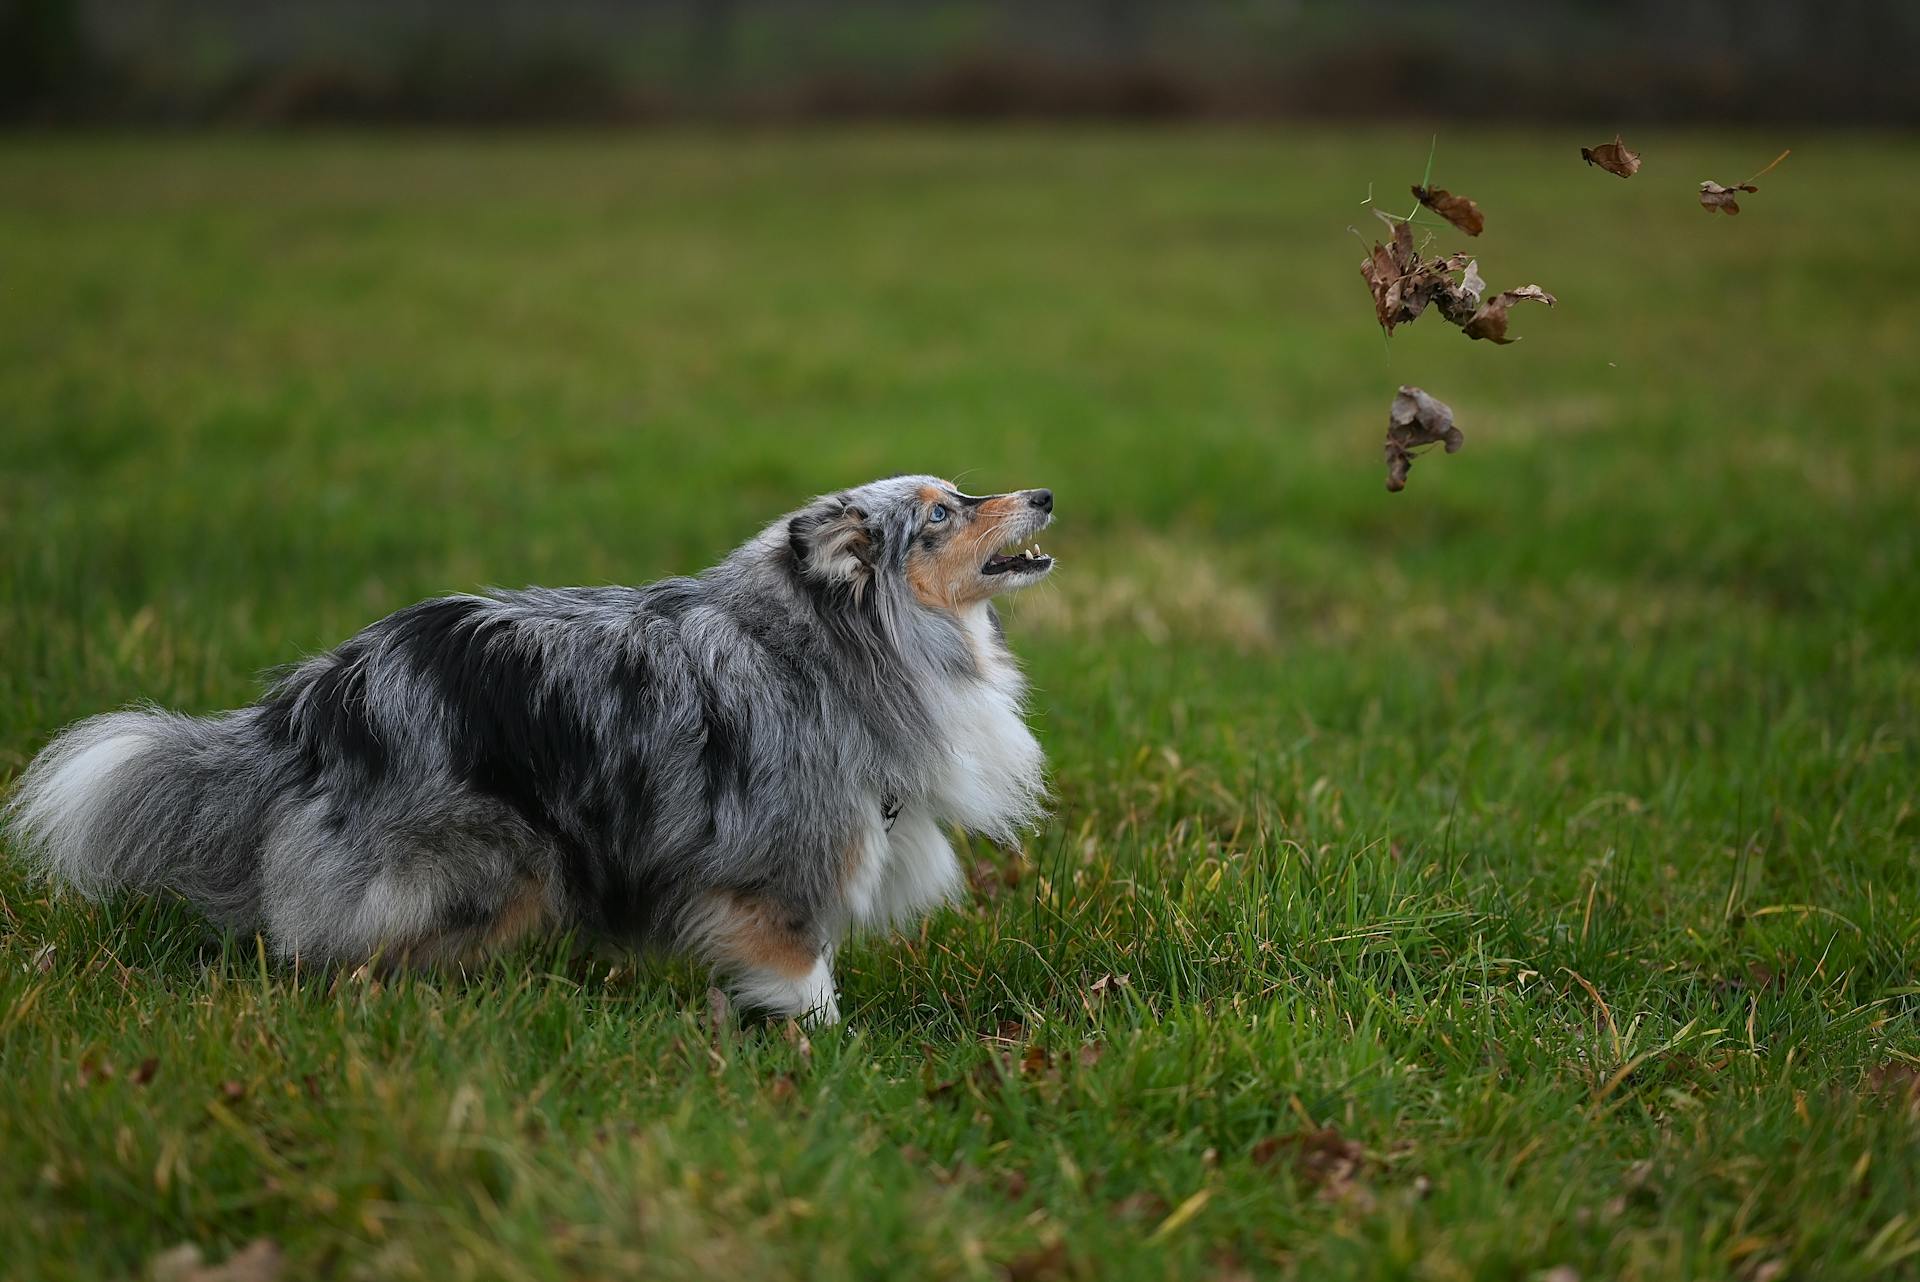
746,764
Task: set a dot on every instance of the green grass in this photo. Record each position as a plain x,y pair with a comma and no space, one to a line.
1549,830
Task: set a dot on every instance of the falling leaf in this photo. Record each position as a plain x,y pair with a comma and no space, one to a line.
1458,210
258,1261
1491,320
1725,199
1615,157
1416,419
1459,302
1386,271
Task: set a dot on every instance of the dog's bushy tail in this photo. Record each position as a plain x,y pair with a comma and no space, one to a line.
153,801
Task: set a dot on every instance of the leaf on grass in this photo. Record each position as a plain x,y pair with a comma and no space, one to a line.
1324,1159
1143,1205
1049,1264
720,1025
1724,199
1491,320
258,1261
1894,1082
1458,210
797,1038
1615,157
144,1074
1416,419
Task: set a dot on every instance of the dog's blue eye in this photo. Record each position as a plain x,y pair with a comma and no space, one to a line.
938,514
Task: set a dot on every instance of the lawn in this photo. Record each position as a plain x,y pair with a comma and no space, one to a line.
1515,875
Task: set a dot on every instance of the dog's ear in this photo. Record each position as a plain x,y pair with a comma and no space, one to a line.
832,544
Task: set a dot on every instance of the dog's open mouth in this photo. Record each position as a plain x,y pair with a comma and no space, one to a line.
1022,561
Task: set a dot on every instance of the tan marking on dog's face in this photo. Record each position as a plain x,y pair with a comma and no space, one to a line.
946,576
754,935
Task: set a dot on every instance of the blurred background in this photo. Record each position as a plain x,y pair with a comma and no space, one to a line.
312,61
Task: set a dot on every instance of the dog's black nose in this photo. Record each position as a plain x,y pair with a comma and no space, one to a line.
1042,499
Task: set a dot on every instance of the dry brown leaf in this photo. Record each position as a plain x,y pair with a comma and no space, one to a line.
1416,419
1615,157
1491,320
1049,1264
797,1038
144,1074
1896,1083
1403,283
1458,210
1143,1205
1324,1159
258,1261
1386,270
1724,199
1459,302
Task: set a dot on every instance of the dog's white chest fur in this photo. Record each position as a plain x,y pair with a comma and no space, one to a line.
991,780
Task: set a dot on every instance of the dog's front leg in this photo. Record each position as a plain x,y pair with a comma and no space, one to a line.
810,998
771,958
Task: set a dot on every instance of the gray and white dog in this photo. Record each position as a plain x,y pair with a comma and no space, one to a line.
747,764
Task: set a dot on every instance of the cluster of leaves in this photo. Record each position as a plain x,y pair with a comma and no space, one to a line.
1404,284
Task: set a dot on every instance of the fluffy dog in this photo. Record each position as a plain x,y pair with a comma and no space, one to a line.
747,764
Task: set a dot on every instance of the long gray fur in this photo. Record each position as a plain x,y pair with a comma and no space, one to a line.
624,751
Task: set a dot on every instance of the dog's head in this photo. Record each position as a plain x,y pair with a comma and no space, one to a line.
923,535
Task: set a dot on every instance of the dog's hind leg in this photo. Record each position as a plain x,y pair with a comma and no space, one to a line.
770,957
